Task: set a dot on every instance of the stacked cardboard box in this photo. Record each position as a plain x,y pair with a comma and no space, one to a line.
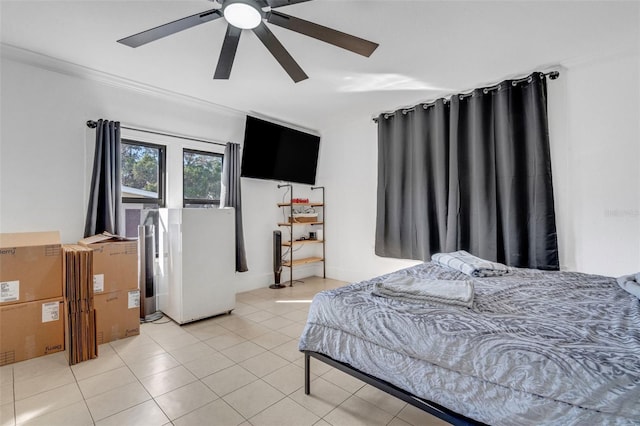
115,286
31,304
81,319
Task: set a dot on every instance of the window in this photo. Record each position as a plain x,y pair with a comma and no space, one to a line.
143,173
202,173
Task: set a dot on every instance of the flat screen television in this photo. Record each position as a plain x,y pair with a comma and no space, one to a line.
275,152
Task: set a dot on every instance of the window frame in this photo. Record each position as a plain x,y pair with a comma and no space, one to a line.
198,201
162,175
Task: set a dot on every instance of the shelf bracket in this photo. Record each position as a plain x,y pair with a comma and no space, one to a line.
324,232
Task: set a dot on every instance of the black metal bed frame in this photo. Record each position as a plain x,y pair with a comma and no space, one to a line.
428,406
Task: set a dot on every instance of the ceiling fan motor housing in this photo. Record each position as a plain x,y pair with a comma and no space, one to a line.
244,14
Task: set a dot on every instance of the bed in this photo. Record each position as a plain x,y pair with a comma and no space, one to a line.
536,348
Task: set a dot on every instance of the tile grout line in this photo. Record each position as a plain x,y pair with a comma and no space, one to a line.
198,380
235,364
13,389
153,398
82,393
139,382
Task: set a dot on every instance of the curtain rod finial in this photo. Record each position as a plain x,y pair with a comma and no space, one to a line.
91,124
553,75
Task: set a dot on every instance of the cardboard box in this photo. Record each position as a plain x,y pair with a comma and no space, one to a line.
30,267
32,329
115,263
117,315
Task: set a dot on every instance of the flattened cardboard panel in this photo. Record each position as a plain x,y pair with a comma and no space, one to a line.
80,316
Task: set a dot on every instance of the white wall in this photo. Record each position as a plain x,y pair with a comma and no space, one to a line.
595,139
46,151
348,168
603,197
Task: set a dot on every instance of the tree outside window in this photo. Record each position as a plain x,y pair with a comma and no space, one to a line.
202,173
143,171
142,182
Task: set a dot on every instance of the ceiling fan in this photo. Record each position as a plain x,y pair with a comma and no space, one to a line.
252,14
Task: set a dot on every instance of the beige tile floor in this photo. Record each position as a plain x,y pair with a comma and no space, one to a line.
238,369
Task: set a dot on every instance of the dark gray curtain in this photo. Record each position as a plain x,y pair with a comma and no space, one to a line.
231,197
413,182
104,212
470,174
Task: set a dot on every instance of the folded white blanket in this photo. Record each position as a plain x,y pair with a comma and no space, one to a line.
470,264
413,289
630,284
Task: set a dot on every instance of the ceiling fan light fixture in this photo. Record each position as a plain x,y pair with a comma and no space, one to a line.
243,14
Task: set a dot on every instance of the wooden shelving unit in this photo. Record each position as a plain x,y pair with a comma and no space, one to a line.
300,204
299,243
300,223
291,262
305,261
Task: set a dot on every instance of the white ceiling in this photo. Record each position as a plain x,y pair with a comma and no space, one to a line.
427,49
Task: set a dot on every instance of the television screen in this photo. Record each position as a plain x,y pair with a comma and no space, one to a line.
275,152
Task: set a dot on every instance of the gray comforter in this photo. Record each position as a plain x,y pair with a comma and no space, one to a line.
536,347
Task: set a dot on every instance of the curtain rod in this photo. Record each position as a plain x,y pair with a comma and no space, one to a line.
93,124
551,74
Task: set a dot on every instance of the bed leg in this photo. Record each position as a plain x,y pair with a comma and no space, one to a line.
307,373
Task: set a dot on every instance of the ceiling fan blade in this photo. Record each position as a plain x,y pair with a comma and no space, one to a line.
337,38
171,28
228,53
280,3
280,53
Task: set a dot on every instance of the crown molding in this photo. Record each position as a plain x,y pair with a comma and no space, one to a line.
71,69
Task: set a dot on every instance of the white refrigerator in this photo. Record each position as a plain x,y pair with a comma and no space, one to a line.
196,262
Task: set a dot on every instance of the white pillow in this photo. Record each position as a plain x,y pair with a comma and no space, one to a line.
630,284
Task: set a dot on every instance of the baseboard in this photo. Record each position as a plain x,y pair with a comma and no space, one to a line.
247,281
